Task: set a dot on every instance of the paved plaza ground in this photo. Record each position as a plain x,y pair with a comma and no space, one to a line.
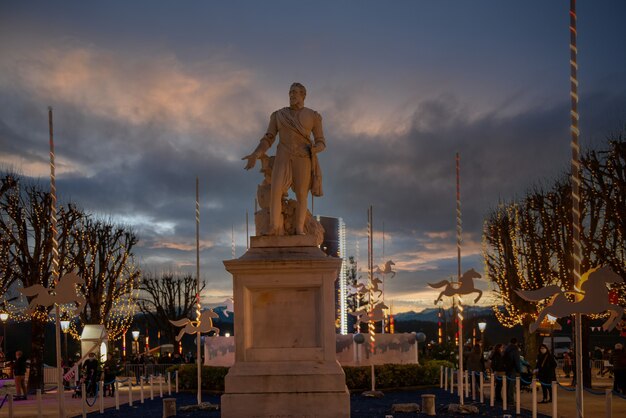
361,407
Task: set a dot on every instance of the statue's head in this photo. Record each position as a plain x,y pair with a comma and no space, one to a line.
297,93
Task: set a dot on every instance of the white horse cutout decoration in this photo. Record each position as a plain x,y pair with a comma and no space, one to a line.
363,315
387,269
595,298
197,327
465,286
64,292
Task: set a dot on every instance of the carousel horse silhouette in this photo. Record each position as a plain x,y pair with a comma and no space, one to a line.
387,269
229,304
465,286
595,298
362,314
64,292
197,327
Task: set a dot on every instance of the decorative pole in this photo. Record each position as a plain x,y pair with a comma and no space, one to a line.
577,251
459,230
55,266
232,240
198,313
370,271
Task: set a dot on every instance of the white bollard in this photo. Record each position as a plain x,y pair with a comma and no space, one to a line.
534,390
130,393
554,399
83,393
176,381
481,382
459,385
467,381
10,406
101,397
141,389
445,379
117,395
518,396
440,377
492,389
169,383
473,385
451,380
39,405
161,385
608,405
504,397
151,387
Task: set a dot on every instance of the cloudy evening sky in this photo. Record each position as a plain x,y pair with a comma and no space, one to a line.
147,95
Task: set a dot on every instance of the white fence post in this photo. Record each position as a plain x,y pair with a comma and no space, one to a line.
102,396
176,381
467,381
141,389
39,404
169,384
481,382
554,400
534,391
161,385
130,392
440,377
492,389
518,395
452,381
608,406
504,393
117,395
473,385
151,387
83,394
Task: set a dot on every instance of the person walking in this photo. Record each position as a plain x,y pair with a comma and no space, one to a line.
475,364
513,367
497,365
567,364
619,369
546,372
19,373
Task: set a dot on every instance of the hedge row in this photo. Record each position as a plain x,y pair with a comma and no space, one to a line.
388,376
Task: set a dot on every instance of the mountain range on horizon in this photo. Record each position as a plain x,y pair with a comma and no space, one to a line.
431,314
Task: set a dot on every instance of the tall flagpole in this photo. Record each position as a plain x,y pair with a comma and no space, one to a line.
370,270
459,230
577,250
55,266
198,313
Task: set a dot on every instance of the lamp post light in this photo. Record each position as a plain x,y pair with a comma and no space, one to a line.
481,327
65,327
136,338
4,317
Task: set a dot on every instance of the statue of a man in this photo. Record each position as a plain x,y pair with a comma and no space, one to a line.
296,163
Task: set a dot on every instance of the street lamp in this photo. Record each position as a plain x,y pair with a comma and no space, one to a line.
136,338
4,317
65,327
481,328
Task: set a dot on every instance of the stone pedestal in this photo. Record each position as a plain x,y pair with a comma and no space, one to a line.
285,361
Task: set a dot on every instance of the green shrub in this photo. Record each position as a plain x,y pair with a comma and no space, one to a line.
388,376
212,377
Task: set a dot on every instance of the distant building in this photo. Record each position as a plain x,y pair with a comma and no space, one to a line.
334,245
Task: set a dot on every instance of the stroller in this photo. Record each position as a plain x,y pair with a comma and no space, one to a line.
526,376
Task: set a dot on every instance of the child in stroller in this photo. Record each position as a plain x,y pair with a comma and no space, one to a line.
526,376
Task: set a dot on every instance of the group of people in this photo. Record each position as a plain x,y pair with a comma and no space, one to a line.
506,362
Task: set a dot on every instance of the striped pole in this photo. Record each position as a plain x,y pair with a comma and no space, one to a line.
575,165
459,230
55,266
370,272
198,313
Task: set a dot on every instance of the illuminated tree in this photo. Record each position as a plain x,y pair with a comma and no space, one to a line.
168,297
104,259
26,253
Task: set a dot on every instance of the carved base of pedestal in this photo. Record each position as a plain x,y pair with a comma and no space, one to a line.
296,405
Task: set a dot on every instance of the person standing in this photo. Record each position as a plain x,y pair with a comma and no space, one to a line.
567,364
19,373
91,373
619,369
513,367
546,372
497,366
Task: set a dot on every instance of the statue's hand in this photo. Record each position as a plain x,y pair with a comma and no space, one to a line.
251,161
319,147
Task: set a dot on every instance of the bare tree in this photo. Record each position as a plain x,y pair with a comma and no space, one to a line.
104,259
169,297
26,251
